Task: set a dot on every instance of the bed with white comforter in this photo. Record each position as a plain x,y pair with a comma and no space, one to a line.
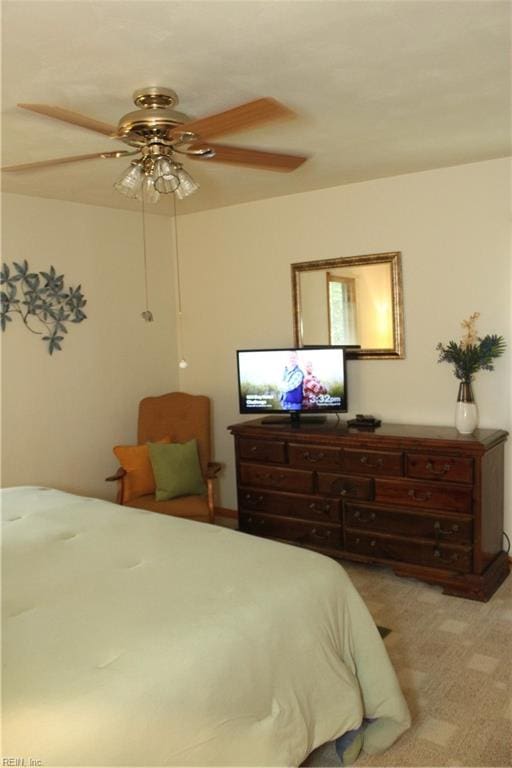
135,639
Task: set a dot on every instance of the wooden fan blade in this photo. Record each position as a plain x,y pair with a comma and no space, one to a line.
271,161
72,117
243,116
62,160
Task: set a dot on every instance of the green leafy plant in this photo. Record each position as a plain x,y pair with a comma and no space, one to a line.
40,297
472,353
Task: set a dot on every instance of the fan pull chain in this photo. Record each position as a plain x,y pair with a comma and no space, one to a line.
147,314
182,361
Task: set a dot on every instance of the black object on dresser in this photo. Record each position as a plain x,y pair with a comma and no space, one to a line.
424,500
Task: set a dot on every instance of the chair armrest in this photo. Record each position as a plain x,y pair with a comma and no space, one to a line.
118,475
213,470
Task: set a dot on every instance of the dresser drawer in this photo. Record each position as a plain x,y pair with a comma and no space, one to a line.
345,486
373,462
262,450
419,499
431,467
314,456
409,551
454,529
411,493
316,535
312,508
281,478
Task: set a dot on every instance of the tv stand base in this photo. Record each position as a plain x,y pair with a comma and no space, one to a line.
295,419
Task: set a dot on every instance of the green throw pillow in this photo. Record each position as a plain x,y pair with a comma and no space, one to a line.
176,469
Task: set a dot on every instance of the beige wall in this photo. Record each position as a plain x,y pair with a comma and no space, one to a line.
452,227
62,414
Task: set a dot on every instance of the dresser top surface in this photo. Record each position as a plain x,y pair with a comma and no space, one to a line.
339,432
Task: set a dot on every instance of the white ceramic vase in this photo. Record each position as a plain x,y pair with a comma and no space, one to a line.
466,411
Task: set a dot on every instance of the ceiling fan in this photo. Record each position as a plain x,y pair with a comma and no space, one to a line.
158,134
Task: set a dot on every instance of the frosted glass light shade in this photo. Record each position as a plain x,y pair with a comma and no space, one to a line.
165,176
187,184
149,192
130,182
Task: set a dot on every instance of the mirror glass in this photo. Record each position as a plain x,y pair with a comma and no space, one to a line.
356,300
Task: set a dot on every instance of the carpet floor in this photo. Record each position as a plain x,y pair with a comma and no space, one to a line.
453,658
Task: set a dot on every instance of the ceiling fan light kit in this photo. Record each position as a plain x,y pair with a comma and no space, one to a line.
149,178
156,132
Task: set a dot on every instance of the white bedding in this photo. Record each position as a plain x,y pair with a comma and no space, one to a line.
131,638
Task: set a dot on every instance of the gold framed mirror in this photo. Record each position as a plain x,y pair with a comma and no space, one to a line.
353,300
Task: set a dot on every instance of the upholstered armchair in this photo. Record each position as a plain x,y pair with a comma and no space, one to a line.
174,418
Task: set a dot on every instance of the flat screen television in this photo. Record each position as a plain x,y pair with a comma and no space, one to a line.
309,381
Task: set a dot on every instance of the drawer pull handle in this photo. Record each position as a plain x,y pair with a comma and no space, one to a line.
375,465
451,559
369,519
443,532
324,510
419,496
430,467
254,448
320,534
270,476
313,457
253,499
373,543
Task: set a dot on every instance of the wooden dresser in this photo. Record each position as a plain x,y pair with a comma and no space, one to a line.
424,500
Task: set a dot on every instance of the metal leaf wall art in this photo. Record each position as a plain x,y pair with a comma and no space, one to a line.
42,301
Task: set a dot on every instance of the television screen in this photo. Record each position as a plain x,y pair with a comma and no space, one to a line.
306,380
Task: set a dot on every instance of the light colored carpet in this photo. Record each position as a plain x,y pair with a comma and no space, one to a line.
454,661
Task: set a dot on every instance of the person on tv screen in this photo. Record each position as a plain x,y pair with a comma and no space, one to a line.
291,387
312,387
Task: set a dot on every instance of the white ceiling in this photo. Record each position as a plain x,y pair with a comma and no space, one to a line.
380,88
